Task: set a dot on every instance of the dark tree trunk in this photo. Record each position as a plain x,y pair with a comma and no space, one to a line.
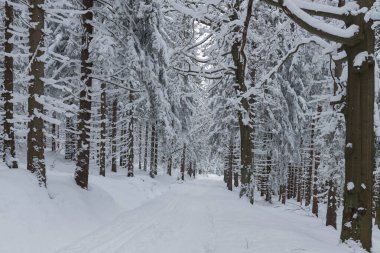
246,131
152,151
230,166
84,116
299,184
314,208
130,141
103,131
331,205
114,135
268,194
309,171
140,146
54,134
9,147
290,182
360,146
155,148
183,162
146,146
35,154
122,145
283,194
170,164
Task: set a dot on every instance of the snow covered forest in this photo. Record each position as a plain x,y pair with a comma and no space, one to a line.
195,126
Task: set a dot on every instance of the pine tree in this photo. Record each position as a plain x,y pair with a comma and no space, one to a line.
35,138
9,148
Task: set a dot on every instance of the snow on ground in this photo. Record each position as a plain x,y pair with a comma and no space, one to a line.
143,215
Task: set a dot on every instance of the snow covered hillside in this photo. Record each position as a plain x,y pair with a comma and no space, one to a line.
143,215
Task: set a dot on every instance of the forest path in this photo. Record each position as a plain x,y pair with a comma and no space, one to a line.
201,216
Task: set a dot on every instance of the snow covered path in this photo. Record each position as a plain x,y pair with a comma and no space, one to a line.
202,216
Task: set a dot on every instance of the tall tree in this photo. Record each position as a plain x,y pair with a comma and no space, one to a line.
35,138
9,148
84,116
103,130
358,41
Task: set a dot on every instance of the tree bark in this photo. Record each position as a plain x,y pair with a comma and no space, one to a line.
9,147
130,141
152,151
183,162
103,131
360,146
309,171
54,134
146,146
140,146
84,116
331,205
35,138
314,208
114,135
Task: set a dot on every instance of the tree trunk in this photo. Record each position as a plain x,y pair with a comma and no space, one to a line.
230,165
331,205
268,194
146,145
114,135
84,116
103,131
152,152
35,138
140,146
130,142
54,134
170,164
360,146
155,148
9,147
299,184
183,162
309,171
314,208
290,182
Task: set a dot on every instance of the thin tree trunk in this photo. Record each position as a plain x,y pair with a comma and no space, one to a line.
114,135
268,194
146,146
53,135
183,162
155,149
309,171
314,208
229,171
170,164
84,116
140,146
103,131
9,147
130,140
152,152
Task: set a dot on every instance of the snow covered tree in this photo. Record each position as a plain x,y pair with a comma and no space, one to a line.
357,40
35,154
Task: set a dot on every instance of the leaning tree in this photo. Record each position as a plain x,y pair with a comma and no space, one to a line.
357,39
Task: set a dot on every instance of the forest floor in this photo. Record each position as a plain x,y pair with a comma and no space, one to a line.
143,215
